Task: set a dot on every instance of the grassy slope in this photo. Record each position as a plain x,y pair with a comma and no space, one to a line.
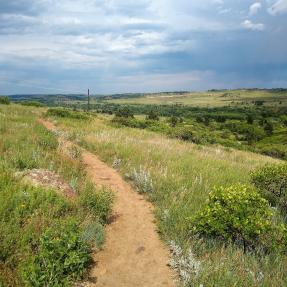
183,174
27,212
209,99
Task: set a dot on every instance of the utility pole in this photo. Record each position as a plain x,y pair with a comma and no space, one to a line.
88,99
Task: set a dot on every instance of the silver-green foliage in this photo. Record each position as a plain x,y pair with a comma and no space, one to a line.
142,180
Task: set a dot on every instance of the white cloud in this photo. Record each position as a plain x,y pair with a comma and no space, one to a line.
254,8
219,2
155,41
279,7
249,25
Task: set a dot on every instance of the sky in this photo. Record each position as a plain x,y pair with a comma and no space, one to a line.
119,46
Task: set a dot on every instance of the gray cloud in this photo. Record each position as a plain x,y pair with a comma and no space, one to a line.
118,44
279,7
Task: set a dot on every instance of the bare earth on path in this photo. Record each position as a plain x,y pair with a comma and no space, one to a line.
133,254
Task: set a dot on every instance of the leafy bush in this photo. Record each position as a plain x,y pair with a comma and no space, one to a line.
250,119
124,112
153,116
62,256
239,213
269,128
64,113
274,150
173,120
32,104
284,120
271,180
184,133
254,134
98,203
4,100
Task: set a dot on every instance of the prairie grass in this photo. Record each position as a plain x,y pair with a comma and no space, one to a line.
182,176
209,99
41,231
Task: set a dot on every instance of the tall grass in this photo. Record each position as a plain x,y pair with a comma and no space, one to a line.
182,176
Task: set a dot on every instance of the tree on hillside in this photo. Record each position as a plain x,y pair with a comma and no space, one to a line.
174,121
152,115
206,121
4,100
250,119
124,112
268,128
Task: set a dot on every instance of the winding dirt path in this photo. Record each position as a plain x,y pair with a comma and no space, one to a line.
133,254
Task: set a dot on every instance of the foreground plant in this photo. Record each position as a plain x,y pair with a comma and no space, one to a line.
239,214
186,265
62,256
142,180
271,180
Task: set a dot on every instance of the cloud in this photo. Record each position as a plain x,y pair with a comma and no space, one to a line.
279,7
113,45
254,8
249,25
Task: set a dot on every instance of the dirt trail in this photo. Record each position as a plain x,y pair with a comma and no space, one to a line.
133,254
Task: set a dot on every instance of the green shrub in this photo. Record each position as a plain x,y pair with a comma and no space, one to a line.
64,113
274,150
269,128
284,120
32,104
94,233
62,256
271,180
250,119
153,116
238,213
254,134
173,120
98,203
124,112
184,133
4,100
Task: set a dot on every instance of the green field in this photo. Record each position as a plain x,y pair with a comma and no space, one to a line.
210,99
